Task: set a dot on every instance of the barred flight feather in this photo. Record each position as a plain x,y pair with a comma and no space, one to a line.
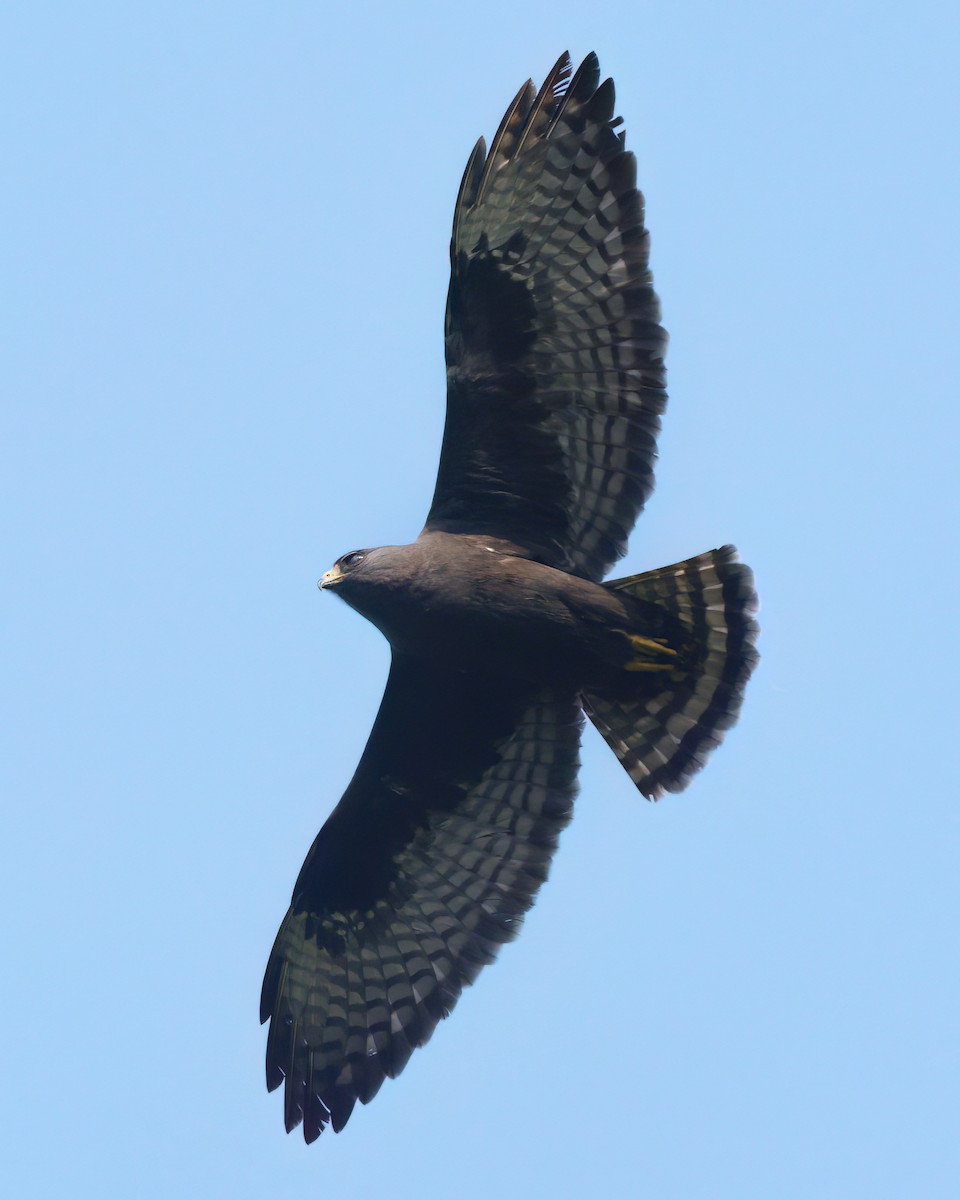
348,1009
548,241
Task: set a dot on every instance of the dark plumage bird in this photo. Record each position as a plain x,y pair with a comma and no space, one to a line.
501,631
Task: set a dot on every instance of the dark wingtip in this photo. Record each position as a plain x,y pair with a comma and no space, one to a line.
585,81
560,73
312,1131
472,175
341,1101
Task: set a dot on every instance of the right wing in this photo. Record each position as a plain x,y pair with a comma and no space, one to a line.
423,870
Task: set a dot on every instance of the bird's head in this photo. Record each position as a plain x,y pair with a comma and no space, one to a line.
343,568
375,583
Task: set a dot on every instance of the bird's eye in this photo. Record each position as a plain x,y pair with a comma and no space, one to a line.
352,560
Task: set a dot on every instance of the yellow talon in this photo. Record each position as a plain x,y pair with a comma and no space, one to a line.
650,653
657,646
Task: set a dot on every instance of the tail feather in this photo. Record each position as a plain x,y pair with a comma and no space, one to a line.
664,735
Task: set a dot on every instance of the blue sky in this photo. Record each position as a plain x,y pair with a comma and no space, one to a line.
224,242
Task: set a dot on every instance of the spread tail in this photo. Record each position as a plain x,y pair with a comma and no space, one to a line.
664,735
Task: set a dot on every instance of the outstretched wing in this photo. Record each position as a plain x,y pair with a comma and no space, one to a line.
423,870
555,377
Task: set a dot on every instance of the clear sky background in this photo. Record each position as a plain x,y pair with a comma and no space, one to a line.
224,260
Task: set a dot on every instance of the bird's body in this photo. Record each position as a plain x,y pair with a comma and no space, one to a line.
501,630
479,607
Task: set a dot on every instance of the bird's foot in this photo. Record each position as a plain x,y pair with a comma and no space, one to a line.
650,653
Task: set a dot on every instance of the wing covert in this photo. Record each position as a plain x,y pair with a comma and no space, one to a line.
555,376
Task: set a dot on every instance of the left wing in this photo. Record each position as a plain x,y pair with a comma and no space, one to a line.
423,870
555,376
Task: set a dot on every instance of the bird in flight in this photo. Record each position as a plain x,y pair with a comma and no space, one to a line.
501,630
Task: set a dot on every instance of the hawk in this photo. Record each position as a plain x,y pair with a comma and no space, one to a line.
502,633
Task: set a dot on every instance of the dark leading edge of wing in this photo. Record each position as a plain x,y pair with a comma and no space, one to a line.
555,377
423,870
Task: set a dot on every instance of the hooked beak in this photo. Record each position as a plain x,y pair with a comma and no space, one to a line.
329,578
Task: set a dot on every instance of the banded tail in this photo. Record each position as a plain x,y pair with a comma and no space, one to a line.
664,736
